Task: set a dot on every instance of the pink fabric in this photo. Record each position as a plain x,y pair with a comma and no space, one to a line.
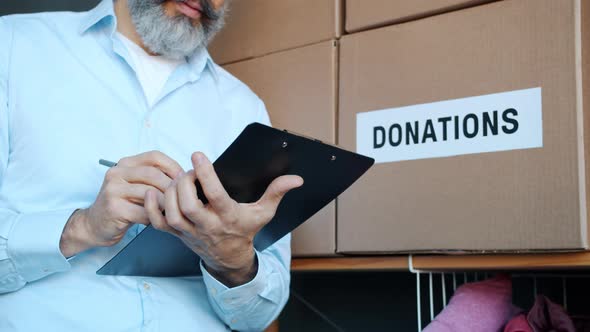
546,316
483,306
518,324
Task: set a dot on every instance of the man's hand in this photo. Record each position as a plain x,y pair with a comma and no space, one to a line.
120,202
221,232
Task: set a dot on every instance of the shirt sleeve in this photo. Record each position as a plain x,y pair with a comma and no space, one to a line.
29,243
254,305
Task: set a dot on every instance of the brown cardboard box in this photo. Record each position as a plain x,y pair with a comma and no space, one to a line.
258,27
531,199
366,14
299,89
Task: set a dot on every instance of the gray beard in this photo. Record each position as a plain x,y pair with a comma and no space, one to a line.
172,37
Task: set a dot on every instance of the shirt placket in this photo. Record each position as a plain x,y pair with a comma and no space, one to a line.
146,133
147,292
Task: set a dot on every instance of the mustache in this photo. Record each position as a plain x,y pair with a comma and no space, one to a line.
207,9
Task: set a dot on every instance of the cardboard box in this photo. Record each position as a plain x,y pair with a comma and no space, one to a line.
299,89
493,188
367,14
259,27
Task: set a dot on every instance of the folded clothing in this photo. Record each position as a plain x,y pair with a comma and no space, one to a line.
518,324
484,306
546,316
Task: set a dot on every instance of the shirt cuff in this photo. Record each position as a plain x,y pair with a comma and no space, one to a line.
33,244
230,300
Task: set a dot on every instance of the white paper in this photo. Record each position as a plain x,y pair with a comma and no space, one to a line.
496,122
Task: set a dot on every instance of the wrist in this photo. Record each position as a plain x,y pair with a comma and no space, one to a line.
74,238
233,277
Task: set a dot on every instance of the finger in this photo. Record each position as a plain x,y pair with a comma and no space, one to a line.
190,205
153,158
154,213
275,192
174,217
134,213
212,187
135,192
149,175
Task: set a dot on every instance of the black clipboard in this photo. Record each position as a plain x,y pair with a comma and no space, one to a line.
258,156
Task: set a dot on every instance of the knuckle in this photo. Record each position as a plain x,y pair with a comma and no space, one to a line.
181,178
160,200
189,210
201,225
231,216
111,174
209,230
171,190
110,191
215,194
124,161
151,174
157,225
111,206
148,200
156,156
175,223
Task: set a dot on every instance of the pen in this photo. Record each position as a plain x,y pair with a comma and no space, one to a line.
107,163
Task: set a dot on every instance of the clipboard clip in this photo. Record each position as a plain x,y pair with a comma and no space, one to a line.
302,135
285,144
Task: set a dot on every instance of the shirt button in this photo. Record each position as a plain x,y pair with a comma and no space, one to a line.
147,123
45,270
146,286
233,321
213,291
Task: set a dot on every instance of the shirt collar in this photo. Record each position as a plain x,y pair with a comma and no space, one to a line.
212,67
201,60
104,10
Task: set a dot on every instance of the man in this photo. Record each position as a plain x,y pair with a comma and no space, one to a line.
131,81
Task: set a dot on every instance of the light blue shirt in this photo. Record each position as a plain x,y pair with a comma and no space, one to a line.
68,97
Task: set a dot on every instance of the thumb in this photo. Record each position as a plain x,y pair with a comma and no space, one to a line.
275,192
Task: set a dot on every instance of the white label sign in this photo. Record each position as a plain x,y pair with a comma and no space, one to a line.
497,122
